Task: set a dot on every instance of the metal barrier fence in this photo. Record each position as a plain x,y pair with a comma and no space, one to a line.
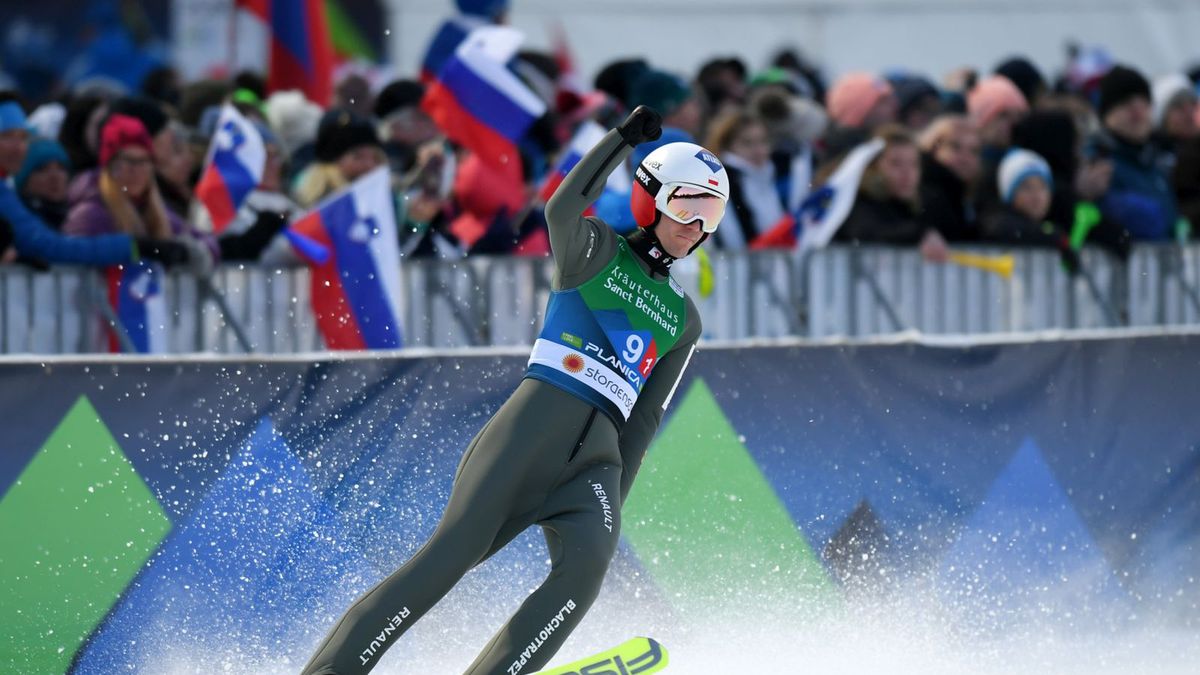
841,291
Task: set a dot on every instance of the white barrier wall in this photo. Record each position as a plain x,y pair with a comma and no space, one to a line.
842,291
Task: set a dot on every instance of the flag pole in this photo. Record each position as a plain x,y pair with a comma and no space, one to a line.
233,35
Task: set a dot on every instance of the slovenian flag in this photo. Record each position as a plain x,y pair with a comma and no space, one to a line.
445,41
478,102
824,210
350,240
233,169
301,51
136,295
586,137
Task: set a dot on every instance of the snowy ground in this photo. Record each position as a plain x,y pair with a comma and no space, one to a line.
900,635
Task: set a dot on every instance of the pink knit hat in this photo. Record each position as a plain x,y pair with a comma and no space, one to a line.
853,96
992,96
122,131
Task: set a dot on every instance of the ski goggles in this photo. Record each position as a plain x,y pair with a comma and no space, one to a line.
687,203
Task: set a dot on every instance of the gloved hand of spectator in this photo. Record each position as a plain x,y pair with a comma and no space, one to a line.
643,124
249,245
169,252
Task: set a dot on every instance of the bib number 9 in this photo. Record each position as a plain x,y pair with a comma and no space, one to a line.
635,346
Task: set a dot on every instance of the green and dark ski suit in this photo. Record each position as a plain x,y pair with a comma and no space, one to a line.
560,453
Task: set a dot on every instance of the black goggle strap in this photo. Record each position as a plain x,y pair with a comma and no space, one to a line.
647,180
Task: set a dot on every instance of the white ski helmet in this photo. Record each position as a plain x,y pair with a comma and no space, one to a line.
683,181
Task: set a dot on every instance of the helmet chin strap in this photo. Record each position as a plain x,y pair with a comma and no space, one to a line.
645,243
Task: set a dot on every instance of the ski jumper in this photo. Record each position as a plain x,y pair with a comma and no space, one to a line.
561,452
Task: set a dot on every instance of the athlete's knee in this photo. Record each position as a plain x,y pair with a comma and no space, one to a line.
588,558
459,543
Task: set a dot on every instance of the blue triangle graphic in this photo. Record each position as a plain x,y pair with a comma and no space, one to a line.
1026,549
236,575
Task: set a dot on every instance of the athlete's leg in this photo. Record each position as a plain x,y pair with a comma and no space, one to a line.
378,618
504,472
582,533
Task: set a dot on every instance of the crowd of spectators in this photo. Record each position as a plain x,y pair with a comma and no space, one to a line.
1103,155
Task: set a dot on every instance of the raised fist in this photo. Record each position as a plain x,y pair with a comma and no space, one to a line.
643,124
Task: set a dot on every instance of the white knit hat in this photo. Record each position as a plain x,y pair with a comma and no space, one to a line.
1165,90
1017,165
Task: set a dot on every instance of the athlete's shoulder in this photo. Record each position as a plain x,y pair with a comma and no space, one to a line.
602,242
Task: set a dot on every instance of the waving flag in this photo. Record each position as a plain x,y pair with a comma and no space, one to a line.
824,211
301,52
135,293
234,167
350,240
478,102
586,137
445,41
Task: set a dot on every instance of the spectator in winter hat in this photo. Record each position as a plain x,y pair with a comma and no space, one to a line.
43,179
122,195
995,104
1174,100
295,120
1177,118
347,147
1027,78
678,104
23,234
1053,133
919,101
1140,197
1025,185
861,101
174,160
617,78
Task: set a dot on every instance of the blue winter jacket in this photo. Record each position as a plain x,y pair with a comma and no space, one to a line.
1140,196
35,239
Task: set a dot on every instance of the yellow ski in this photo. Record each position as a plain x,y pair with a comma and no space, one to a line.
634,657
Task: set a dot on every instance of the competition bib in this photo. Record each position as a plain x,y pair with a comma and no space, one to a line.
602,339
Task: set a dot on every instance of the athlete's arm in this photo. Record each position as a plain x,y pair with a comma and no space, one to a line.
652,402
582,246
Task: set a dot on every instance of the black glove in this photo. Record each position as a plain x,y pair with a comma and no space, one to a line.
165,251
643,124
249,245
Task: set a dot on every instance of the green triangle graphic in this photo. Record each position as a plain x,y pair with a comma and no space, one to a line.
77,526
708,526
